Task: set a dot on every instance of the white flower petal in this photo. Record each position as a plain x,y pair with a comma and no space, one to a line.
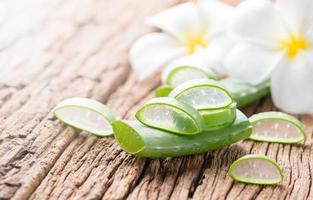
179,20
250,63
297,14
292,84
215,53
210,58
152,51
258,22
196,60
216,15
309,36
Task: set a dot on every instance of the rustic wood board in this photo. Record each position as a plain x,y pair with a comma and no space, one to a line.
51,50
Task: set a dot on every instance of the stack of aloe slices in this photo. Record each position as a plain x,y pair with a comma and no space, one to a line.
195,113
198,115
167,126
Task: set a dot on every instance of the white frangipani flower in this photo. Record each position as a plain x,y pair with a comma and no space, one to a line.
192,34
275,41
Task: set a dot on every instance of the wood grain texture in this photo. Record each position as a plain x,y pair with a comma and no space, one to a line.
51,50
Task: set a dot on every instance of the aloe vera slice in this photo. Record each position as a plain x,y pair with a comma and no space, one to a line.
276,127
136,138
202,94
168,114
255,169
245,93
176,75
85,114
163,91
218,118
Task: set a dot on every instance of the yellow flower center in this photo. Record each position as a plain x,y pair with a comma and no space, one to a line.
193,41
293,45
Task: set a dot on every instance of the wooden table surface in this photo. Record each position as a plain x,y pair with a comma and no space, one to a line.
51,50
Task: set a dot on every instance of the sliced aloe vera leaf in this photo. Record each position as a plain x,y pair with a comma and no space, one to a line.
176,75
85,114
163,91
168,114
276,127
202,94
217,118
255,169
141,140
245,93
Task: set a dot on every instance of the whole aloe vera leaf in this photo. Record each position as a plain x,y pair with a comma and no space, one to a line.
143,141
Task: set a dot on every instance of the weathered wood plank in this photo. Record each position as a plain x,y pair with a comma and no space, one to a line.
79,48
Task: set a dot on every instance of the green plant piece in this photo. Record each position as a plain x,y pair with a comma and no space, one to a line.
177,75
276,127
85,114
141,140
245,93
163,91
217,118
256,169
202,94
168,114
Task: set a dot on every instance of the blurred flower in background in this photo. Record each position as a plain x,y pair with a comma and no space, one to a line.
272,40
276,41
192,34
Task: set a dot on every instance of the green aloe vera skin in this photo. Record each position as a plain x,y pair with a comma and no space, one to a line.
245,93
143,141
163,91
218,118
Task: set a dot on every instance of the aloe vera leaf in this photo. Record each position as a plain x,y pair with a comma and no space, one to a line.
143,141
245,93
